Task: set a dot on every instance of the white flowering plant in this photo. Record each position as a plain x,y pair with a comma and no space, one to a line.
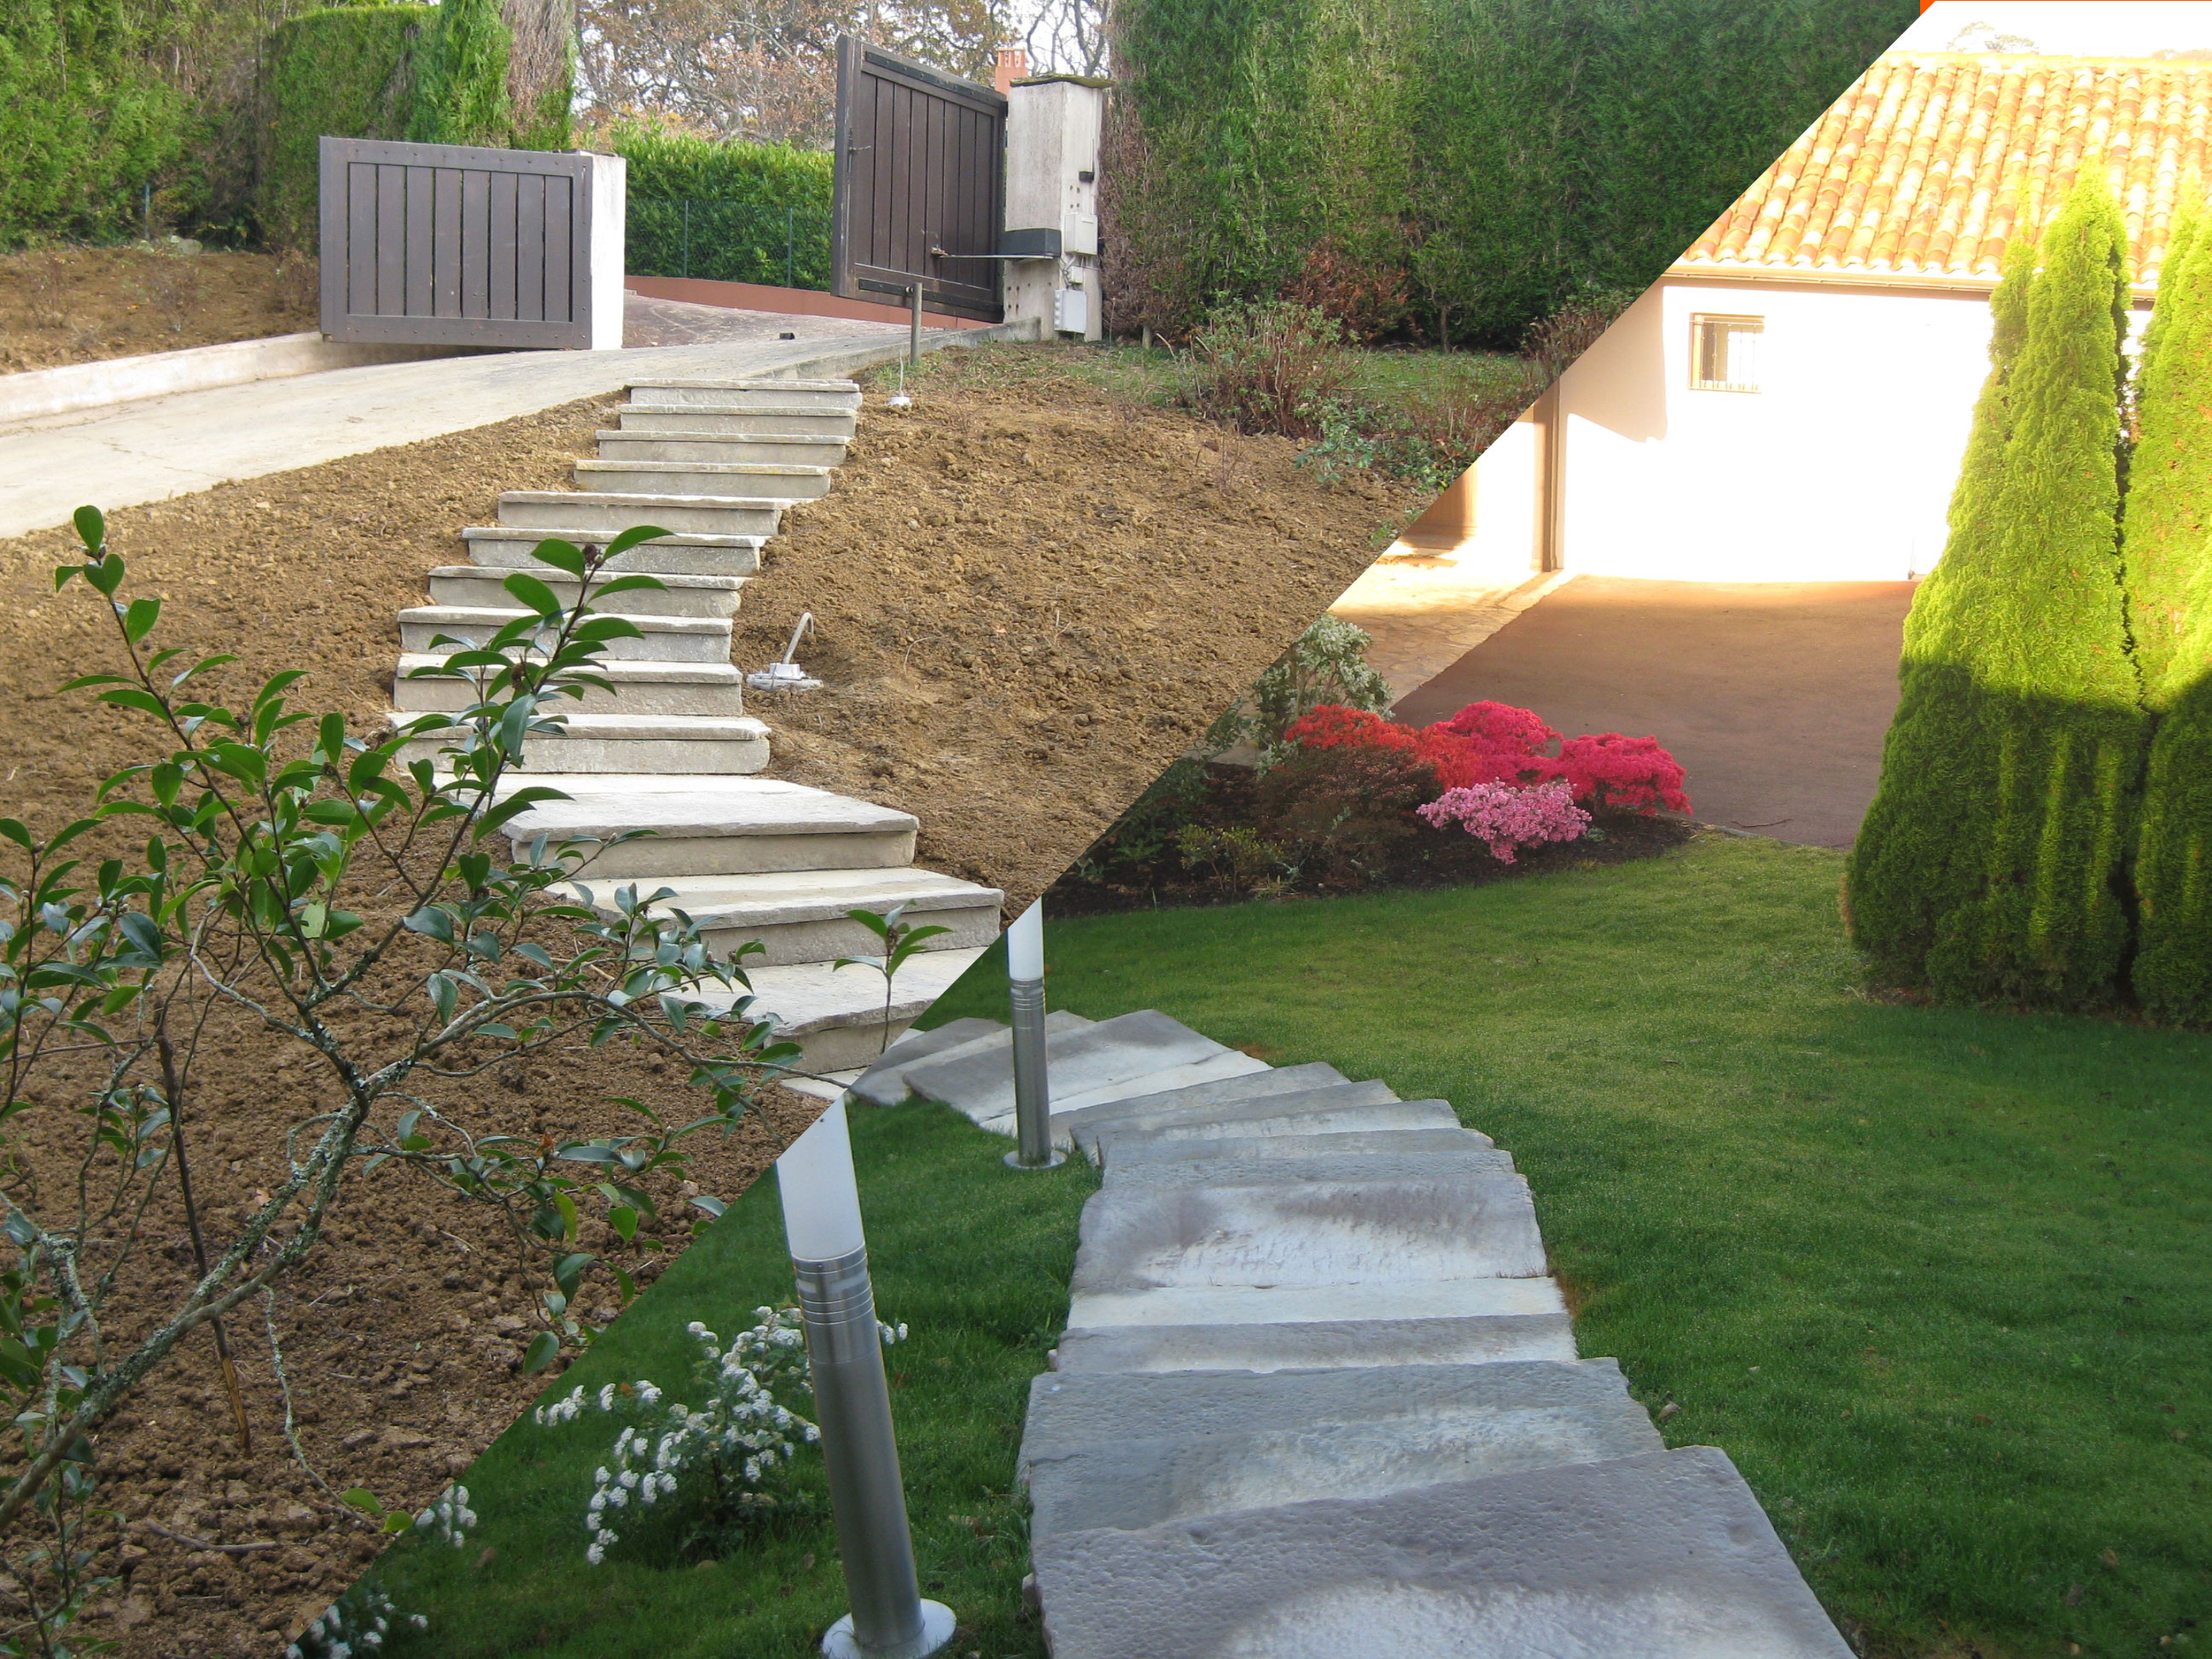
354,1626
729,1445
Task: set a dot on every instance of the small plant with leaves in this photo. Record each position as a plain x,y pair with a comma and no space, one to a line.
902,941
265,876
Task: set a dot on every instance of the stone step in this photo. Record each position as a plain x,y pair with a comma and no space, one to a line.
918,1045
1244,1442
838,396
664,638
645,414
761,448
1135,1158
982,1085
1314,1233
477,587
1468,1161
1315,1112
1663,1556
1306,1344
1215,1068
799,914
837,1016
711,479
1081,1411
1477,1295
887,1084
1198,1098
641,688
1200,1103
590,515
691,744
716,826
501,548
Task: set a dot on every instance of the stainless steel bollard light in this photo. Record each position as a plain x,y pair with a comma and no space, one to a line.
1033,1147
852,1402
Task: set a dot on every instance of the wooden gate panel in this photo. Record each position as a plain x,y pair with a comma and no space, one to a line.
920,182
448,244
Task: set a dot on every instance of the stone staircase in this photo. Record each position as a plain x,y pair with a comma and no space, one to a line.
671,750
1318,1397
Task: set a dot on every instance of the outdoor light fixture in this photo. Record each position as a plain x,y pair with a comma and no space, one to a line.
1033,1147
787,675
852,1403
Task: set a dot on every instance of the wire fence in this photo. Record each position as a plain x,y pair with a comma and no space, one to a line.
785,245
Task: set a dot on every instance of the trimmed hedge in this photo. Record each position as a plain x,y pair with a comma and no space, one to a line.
703,207
1481,164
1992,864
85,121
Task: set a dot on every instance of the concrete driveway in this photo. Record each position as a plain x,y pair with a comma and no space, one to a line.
1774,696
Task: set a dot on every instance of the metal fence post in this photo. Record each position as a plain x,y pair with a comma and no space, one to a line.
687,236
790,242
852,1402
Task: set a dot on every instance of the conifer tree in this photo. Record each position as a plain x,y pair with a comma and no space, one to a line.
1991,864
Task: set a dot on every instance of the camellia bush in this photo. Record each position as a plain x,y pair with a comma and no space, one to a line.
358,904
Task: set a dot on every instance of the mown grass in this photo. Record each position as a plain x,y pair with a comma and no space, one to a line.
972,1256
1938,1279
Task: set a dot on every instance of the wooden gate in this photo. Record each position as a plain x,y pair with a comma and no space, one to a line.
920,182
450,244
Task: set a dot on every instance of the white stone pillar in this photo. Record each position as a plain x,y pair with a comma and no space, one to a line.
1054,124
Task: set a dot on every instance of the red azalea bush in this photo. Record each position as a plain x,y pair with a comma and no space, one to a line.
1494,743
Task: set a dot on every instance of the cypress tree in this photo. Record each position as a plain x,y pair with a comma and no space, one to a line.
2015,758
2169,570
2169,496
460,77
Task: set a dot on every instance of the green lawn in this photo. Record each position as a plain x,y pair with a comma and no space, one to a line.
973,1256
1938,1280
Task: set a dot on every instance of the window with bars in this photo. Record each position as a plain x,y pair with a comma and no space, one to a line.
1725,353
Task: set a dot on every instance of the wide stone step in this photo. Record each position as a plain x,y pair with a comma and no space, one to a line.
1215,1068
1274,1090
1311,1233
836,1017
716,826
886,1085
474,587
760,392
644,414
500,547
1133,1158
1131,1045
1243,1441
1475,1295
1305,1344
640,688
662,639
799,915
1465,1161
760,449
1663,1556
691,744
1082,1411
1316,1112
591,514
708,478
918,1045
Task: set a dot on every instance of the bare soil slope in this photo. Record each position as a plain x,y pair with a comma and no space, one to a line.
81,305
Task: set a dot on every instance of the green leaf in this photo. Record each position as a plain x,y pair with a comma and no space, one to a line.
632,537
138,621
533,593
569,1269
562,555
91,527
540,1353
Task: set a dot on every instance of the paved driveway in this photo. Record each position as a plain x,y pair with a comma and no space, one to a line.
1774,696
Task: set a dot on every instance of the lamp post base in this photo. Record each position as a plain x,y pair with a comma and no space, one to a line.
936,1627
1057,1157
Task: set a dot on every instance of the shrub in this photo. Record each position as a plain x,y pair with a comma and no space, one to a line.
1612,770
1505,818
1990,862
349,71
723,209
1344,813
1238,859
1324,667
1269,366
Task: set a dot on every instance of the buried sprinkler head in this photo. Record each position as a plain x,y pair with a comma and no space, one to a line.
787,675
899,399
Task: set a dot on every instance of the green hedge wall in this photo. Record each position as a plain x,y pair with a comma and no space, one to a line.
1482,163
85,120
734,212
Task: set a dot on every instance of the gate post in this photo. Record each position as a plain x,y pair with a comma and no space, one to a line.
1053,128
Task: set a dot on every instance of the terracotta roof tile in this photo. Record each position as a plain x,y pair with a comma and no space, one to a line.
1933,161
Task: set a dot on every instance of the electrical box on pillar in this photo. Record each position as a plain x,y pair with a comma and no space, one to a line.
1053,127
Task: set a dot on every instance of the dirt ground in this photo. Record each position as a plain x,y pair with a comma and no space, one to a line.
1029,595
81,305
1774,696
